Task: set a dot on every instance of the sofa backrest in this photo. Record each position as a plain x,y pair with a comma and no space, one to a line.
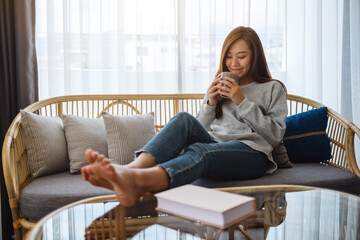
17,176
91,106
164,107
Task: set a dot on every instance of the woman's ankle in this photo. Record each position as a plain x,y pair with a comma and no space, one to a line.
144,160
152,179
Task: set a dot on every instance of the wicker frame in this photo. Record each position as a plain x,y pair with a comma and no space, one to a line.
16,173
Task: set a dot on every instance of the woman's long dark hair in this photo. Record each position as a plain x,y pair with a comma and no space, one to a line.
259,69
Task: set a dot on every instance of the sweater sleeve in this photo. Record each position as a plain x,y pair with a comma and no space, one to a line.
271,125
206,115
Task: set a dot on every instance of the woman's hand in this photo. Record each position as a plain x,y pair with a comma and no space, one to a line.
214,91
231,89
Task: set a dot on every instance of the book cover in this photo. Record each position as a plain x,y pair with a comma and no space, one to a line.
211,207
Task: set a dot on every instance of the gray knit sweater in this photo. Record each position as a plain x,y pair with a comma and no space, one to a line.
259,121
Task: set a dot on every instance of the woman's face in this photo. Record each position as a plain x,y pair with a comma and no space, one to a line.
238,58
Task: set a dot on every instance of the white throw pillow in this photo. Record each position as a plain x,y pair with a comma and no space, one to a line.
126,134
45,144
83,133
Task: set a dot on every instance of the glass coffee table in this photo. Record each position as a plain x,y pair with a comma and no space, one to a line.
283,212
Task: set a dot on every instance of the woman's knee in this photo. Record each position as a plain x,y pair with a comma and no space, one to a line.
184,116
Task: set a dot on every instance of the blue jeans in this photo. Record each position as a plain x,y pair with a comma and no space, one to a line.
186,151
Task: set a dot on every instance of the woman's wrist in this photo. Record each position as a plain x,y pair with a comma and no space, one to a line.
239,100
210,104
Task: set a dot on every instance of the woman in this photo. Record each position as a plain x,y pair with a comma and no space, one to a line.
230,138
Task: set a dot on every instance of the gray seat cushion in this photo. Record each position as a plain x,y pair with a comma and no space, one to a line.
308,174
48,193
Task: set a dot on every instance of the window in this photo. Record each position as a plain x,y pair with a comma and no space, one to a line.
141,46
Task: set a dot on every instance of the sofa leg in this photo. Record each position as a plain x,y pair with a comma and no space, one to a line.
18,234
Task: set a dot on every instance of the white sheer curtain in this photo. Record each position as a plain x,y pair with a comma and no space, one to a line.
314,50
142,46
323,54
350,78
173,46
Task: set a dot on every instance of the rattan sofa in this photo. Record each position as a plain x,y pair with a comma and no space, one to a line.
341,172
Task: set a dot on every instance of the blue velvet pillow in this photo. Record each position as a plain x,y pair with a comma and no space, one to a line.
305,138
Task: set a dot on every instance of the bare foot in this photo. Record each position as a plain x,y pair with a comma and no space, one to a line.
90,156
100,182
120,179
87,174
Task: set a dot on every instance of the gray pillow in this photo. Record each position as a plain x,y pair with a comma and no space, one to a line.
45,144
281,157
83,133
126,134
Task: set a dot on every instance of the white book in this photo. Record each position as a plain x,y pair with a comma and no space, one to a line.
211,207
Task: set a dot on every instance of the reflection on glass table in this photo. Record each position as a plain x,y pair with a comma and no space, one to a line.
283,212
